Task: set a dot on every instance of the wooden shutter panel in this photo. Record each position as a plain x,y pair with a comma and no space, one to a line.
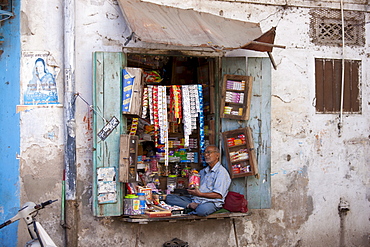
351,86
328,77
107,102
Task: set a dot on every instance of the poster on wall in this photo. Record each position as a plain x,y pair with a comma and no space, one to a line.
39,74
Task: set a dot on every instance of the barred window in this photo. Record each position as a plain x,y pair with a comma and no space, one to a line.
328,75
326,27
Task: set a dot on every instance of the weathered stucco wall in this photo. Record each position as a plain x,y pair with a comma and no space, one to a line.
42,131
312,167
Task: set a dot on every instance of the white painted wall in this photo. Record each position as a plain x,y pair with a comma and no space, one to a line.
306,190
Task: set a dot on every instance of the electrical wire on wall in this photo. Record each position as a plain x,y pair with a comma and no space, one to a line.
340,124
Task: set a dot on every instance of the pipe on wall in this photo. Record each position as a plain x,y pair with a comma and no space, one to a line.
70,204
340,124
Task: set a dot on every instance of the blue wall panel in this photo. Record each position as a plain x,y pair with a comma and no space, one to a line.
9,124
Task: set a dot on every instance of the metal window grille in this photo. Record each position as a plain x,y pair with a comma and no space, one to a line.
328,76
326,27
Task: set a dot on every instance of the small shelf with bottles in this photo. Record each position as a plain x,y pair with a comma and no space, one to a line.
240,153
236,97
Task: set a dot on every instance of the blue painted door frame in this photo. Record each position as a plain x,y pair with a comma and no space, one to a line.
9,124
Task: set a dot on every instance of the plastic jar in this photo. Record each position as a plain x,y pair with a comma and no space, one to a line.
131,205
142,204
171,183
127,205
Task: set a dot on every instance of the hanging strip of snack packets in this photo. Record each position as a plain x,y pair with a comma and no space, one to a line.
194,105
134,124
186,113
163,123
145,103
201,122
155,114
150,102
162,114
172,106
176,102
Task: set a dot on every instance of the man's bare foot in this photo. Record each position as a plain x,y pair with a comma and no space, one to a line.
193,205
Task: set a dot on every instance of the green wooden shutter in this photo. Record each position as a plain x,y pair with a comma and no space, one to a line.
107,103
257,190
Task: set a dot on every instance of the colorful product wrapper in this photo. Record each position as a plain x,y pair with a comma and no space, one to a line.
185,104
194,181
201,123
152,77
134,124
145,103
186,113
128,82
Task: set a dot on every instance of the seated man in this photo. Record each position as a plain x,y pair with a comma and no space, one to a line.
214,185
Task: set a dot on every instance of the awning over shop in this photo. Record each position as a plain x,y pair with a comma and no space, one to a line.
153,23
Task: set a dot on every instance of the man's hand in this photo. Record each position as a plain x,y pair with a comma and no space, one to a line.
194,192
211,195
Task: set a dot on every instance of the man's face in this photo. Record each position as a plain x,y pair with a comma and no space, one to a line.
211,156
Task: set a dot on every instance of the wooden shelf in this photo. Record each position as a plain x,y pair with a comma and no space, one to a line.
239,161
233,103
144,219
238,88
241,175
247,165
236,146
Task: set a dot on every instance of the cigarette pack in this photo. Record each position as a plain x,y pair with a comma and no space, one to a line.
156,211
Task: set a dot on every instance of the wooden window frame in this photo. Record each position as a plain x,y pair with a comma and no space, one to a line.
328,81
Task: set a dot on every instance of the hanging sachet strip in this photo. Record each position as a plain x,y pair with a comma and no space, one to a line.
186,114
145,103
160,114
134,124
172,106
155,114
151,106
176,104
201,122
197,95
163,126
194,105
